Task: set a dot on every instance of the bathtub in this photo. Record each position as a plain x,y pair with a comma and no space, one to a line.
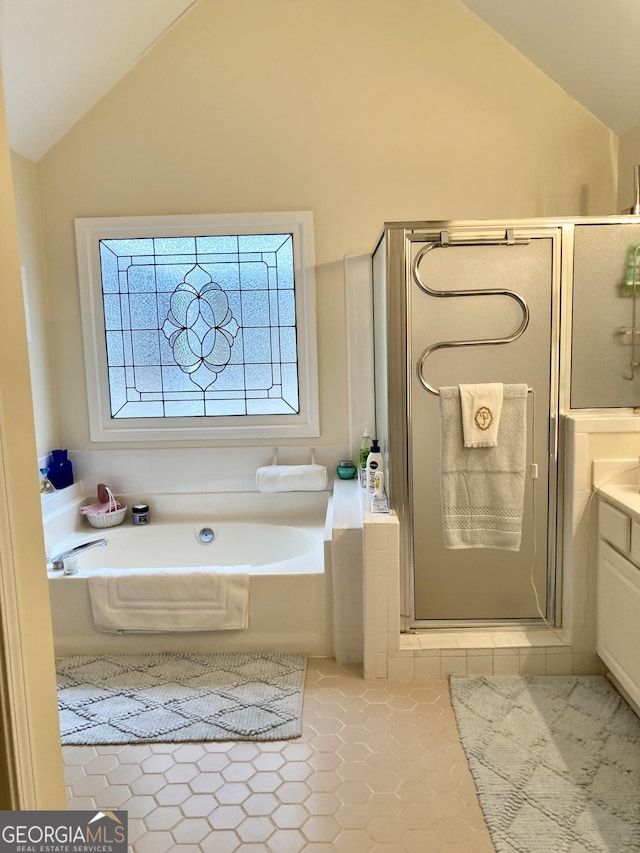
284,538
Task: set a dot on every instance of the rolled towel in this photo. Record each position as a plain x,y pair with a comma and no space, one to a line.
100,508
291,478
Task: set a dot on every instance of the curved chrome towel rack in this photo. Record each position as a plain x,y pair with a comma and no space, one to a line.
509,240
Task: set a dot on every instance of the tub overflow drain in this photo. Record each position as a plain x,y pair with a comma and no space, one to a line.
206,535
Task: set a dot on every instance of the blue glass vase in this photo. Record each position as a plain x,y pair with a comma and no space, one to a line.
60,471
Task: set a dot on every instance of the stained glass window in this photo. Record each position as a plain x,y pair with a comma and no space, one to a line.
200,326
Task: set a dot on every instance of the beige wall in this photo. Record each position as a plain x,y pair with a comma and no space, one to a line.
362,111
28,212
629,156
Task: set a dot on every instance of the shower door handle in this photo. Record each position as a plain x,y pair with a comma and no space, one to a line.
553,437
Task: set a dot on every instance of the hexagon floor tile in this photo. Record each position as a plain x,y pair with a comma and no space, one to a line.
379,767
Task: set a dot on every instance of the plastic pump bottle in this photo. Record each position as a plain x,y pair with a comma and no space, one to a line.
365,449
374,463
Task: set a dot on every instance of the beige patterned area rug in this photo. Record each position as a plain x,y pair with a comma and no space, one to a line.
556,762
171,698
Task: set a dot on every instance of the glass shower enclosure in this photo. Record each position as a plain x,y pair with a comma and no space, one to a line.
549,303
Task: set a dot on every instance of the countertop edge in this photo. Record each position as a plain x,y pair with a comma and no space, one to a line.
626,497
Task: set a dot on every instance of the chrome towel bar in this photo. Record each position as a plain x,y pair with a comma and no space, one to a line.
444,242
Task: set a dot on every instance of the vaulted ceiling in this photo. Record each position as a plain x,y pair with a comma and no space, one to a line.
591,48
59,57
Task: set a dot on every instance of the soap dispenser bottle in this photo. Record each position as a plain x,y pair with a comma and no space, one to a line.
60,471
374,463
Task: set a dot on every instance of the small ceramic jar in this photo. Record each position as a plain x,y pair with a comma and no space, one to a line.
140,514
346,470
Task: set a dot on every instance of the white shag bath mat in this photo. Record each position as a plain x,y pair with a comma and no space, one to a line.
556,762
167,697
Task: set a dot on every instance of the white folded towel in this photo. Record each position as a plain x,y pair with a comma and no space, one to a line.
291,478
483,493
481,406
174,599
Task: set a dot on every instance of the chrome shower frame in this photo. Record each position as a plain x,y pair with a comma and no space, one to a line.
392,379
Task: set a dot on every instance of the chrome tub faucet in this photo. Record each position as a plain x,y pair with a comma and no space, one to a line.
57,562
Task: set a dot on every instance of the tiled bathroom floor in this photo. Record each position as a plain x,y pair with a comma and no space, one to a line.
379,767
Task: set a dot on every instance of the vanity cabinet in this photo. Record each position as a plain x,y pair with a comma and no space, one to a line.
618,596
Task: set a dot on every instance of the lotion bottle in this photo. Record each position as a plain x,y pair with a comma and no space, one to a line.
378,479
374,463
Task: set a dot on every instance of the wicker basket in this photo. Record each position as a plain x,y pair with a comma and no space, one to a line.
111,518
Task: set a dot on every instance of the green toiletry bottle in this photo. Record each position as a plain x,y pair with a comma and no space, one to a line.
365,448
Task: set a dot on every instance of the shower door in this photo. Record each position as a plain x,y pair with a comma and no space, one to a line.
483,586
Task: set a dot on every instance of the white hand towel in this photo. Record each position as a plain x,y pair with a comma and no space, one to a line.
481,408
291,478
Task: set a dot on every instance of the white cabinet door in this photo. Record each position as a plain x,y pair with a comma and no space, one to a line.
618,618
614,525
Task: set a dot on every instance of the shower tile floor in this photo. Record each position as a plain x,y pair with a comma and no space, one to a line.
379,767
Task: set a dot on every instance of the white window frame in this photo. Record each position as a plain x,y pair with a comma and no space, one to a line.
89,232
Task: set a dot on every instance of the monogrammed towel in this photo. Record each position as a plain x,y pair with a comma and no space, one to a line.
481,407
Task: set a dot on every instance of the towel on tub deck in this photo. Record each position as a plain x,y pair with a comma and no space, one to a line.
482,489
291,478
211,598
